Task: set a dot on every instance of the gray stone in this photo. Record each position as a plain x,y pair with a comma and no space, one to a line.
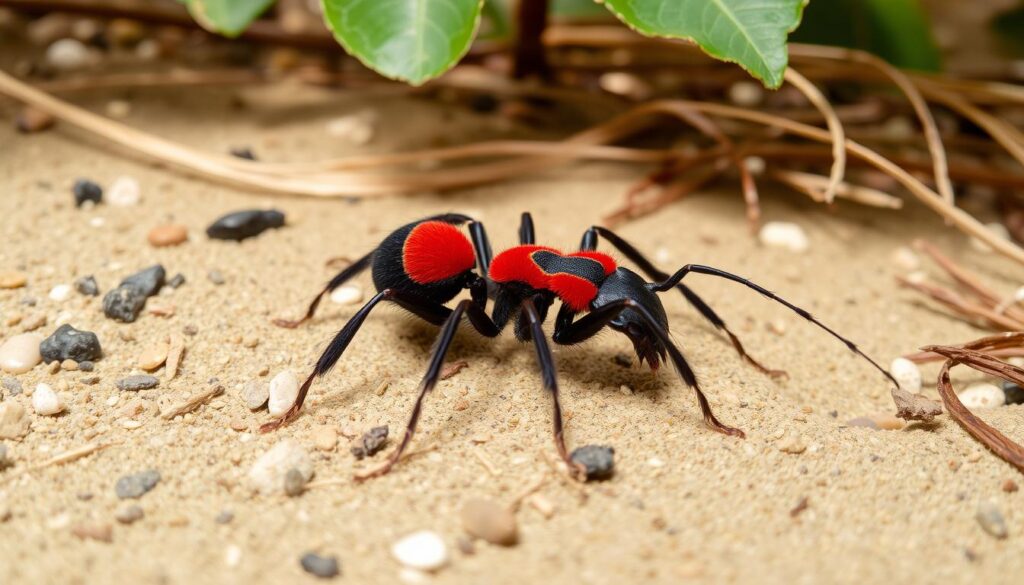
991,520
597,460
323,567
1014,393
68,343
13,385
128,514
294,483
123,304
371,442
240,225
215,277
87,286
176,281
86,366
139,382
136,485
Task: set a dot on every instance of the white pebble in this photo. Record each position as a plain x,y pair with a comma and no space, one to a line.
998,230
68,54
268,473
60,293
423,550
232,555
982,395
45,400
124,192
357,128
907,375
347,295
97,222
780,234
284,389
746,93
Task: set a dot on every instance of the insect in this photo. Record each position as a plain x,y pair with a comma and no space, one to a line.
424,265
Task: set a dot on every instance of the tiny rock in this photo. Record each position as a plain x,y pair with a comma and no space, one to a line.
68,55
991,520
241,225
136,485
85,190
68,343
907,375
98,532
9,280
60,293
784,235
30,120
747,94
598,461
325,438
215,277
371,442
128,513
794,444
267,475
294,483
123,304
124,192
20,353
138,382
255,394
347,295
45,401
167,235
14,422
1013,393
423,550
87,286
490,521
147,282
982,395
284,390
323,567
153,356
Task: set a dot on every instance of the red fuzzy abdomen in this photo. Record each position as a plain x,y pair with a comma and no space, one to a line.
574,278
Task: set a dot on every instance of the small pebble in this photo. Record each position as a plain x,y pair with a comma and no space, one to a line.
907,375
215,277
153,356
60,293
423,550
9,280
147,282
358,129
1010,486
167,235
45,401
323,567
14,421
176,281
1014,394
747,94
490,521
597,460
33,322
124,192
12,384
990,518
87,286
128,513
136,485
347,295
794,444
30,120
241,225
86,366
85,190
68,55
294,483
98,532
784,235
70,343
225,517
255,394
884,422
325,438
20,353
243,152
139,382
371,442
982,395
267,475
284,390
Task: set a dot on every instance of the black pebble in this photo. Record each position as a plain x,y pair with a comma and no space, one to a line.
243,152
371,442
1014,393
176,281
125,302
323,567
137,484
140,382
245,224
87,286
598,460
70,343
85,190
147,282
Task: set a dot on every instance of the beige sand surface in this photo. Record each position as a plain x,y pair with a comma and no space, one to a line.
686,504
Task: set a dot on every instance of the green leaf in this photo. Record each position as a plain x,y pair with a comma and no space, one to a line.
896,30
410,40
751,33
226,17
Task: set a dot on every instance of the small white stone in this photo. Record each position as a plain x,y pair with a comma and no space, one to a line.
60,293
20,353
907,375
746,94
982,395
780,234
267,475
284,389
356,128
124,192
97,222
232,555
45,400
68,54
423,550
347,295
905,259
998,230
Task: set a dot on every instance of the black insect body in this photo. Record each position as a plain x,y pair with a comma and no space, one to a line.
424,265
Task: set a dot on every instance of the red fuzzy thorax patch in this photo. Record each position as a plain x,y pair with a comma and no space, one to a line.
434,251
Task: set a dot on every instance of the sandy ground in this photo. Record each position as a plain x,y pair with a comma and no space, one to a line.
686,504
